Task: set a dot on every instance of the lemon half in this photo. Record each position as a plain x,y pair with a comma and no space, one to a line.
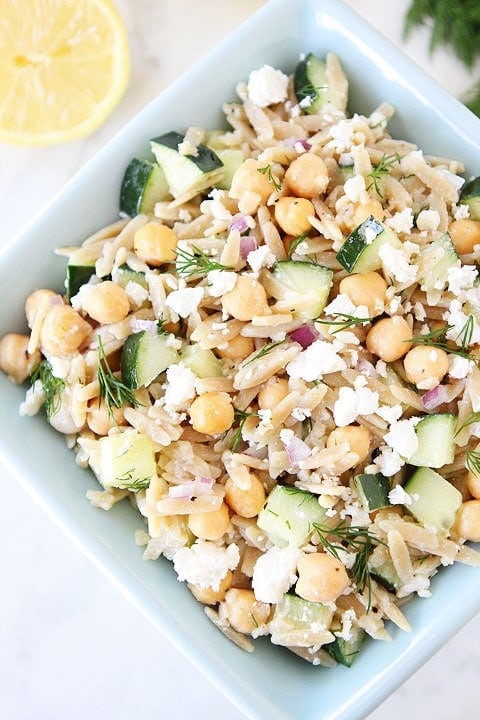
64,67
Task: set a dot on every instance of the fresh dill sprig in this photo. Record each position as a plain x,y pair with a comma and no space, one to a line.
196,263
345,322
383,168
52,387
351,538
438,339
472,462
296,242
272,178
466,333
160,326
267,348
240,417
254,620
474,417
128,483
112,389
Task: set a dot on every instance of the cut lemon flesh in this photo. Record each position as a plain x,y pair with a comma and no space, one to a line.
64,67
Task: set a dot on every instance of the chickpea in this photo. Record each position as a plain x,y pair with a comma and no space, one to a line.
473,485
37,299
212,413
307,176
467,521
246,503
107,303
363,210
357,437
465,235
425,367
245,612
100,421
210,525
390,338
321,578
237,348
209,596
247,178
63,331
15,361
292,213
368,289
272,392
155,243
248,298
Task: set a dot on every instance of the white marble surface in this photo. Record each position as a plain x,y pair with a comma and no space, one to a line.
70,645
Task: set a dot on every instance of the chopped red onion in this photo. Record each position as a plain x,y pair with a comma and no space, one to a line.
435,397
247,245
292,142
366,368
304,335
56,300
296,450
191,488
137,325
239,223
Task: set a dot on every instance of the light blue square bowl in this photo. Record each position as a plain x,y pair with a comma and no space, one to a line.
270,684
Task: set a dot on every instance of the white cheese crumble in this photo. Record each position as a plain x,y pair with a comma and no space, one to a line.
274,573
388,461
180,388
353,402
33,400
136,294
403,438
347,620
401,222
428,220
205,564
461,278
389,413
396,264
185,301
354,187
261,257
300,413
398,496
320,358
267,86
342,305
455,180
461,212
220,282
419,312
459,367
456,318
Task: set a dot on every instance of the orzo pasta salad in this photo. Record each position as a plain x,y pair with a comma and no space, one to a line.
273,354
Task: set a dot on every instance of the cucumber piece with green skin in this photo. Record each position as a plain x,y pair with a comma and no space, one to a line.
144,356
436,441
470,196
126,460
144,183
346,651
289,514
201,361
434,262
311,85
435,501
382,569
80,268
187,175
359,252
123,274
295,621
304,285
373,489
231,159
346,171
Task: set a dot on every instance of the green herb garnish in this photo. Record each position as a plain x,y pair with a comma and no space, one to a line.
267,348
438,339
296,242
345,322
474,417
383,168
128,483
196,263
112,389
272,178
160,326
472,462
240,417
52,387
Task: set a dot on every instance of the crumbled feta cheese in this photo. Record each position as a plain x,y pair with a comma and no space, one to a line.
388,461
461,278
354,402
389,413
180,387
428,220
401,222
381,368
461,212
136,294
357,513
398,496
354,187
220,282
455,180
377,119
370,235
185,301
205,564
274,573
419,312
300,413
403,438
345,159
320,358
267,86
459,367
342,305
347,620
261,257
396,264
265,423
456,318
33,400
305,102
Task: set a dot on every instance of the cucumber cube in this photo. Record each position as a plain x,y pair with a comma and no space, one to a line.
373,490
346,651
299,622
359,252
435,501
436,441
126,460
289,514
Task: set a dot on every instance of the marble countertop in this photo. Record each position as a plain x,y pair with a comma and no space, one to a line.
71,646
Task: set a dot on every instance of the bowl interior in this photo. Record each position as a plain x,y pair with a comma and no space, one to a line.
270,683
